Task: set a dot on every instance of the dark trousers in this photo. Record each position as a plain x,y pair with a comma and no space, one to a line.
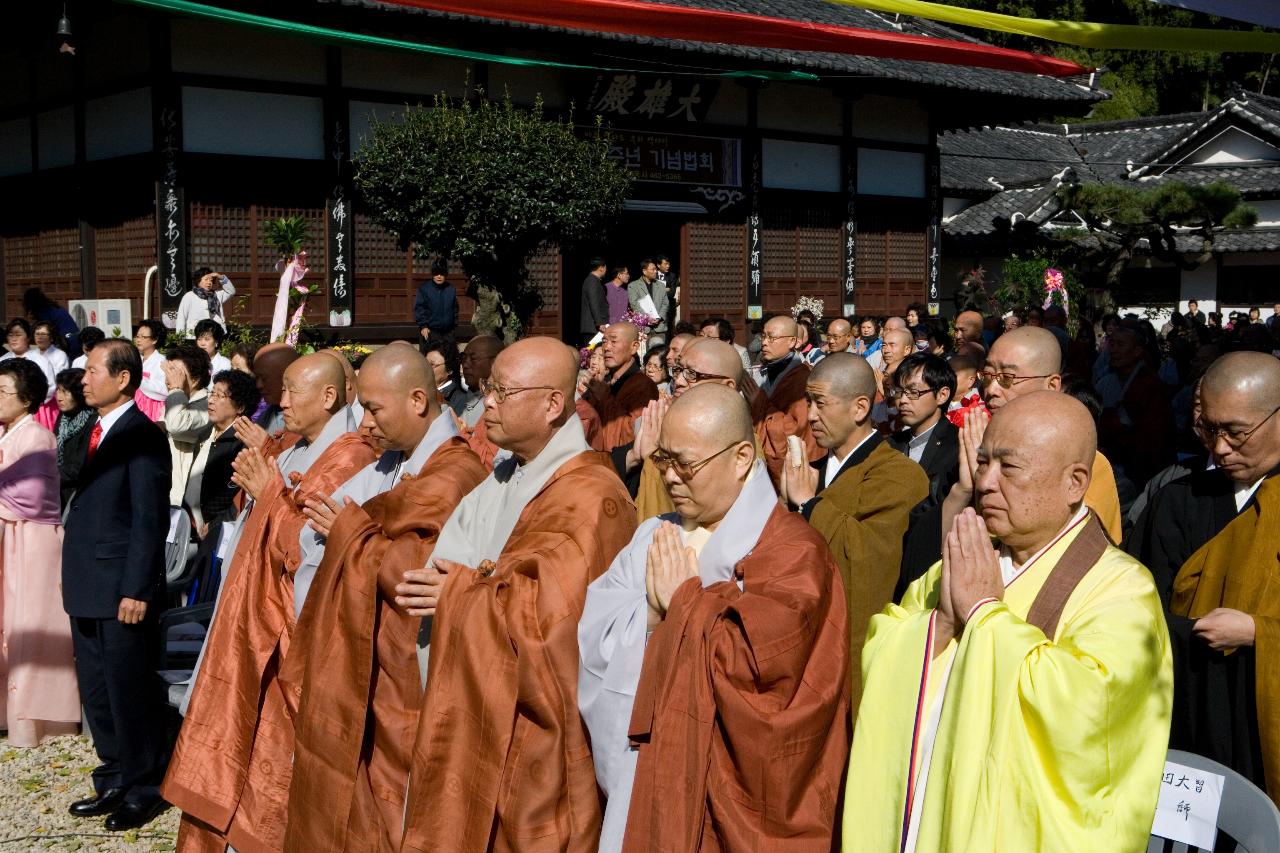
123,701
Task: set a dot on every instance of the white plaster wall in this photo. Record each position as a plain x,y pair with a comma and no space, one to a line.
801,165
892,173
1200,284
1234,146
790,106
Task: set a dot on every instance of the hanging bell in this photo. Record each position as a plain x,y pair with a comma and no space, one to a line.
64,25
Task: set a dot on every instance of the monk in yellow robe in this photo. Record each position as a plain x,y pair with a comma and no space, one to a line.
354,662
229,772
501,759
1024,360
1017,699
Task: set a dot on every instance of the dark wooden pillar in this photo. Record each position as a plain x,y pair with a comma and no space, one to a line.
340,217
755,175
172,231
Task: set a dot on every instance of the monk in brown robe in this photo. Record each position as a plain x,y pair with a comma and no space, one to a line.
741,686
501,760
478,437
859,497
621,396
354,654
702,360
230,768
782,377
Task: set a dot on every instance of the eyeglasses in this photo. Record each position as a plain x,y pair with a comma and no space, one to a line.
692,376
219,395
769,337
1234,438
909,393
1007,380
4,393
684,470
501,392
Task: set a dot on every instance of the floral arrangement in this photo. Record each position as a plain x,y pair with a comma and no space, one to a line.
1055,282
352,351
643,322
808,303
584,357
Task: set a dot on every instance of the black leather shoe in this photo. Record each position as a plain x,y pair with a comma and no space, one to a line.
134,815
103,803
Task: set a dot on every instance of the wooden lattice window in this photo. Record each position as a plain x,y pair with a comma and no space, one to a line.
221,238
544,275
715,267
376,250
52,255
126,250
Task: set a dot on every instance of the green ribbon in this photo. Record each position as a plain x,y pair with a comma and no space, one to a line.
1083,33
327,34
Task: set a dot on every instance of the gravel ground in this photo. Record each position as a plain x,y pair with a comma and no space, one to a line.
37,785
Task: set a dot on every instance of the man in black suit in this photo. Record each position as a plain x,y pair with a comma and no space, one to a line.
113,589
1193,315
924,385
595,307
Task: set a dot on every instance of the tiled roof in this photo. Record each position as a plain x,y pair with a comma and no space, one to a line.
1009,83
1226,242
1038,204
1249,179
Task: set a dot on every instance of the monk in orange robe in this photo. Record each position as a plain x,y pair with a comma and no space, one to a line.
621,396
354,659
501,760
478,437
783,374
722,640
230,769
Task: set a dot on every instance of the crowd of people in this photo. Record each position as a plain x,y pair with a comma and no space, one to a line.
871,582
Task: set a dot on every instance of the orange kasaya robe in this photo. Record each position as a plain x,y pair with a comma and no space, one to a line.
354,663
741,715
501,761
478,437
786,413
623,402
230,768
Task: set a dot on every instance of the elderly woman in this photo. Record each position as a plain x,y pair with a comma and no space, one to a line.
75,420
204,301
21,342
40,698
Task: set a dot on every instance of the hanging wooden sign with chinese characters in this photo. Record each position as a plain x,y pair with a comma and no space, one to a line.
340,222
644,98
672,158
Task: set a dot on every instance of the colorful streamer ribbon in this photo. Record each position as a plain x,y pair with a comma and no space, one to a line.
635,17
1084,34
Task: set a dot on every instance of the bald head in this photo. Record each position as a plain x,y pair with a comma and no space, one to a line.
1034,350
845,375
1254,376
399,369
486,345
717,414
969,323
347,369
400,400
714,356
898,344
628,331
1035,462
537,378
895,323
314,390
269,365
839,328
782,325
780,338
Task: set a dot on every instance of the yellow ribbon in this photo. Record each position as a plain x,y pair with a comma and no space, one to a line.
1083,33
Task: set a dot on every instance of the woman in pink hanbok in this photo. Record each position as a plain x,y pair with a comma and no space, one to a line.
39,698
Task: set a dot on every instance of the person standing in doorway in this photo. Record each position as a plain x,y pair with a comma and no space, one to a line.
616,294
672,283
595,306
657,304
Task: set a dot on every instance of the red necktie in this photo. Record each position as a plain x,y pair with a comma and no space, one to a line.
95,437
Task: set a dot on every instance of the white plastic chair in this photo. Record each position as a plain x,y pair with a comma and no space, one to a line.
1247,815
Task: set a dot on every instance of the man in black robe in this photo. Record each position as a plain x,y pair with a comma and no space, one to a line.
1214,702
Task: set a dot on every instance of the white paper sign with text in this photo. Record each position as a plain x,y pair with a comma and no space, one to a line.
1188,806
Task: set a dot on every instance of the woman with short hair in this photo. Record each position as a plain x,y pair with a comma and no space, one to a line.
72,428
39,697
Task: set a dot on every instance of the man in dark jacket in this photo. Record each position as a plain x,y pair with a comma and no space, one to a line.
436,306
113,588
922,389
595,307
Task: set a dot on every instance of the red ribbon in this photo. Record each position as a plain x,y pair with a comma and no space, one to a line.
639,18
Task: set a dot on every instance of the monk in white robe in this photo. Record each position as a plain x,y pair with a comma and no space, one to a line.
1017,699
733,563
